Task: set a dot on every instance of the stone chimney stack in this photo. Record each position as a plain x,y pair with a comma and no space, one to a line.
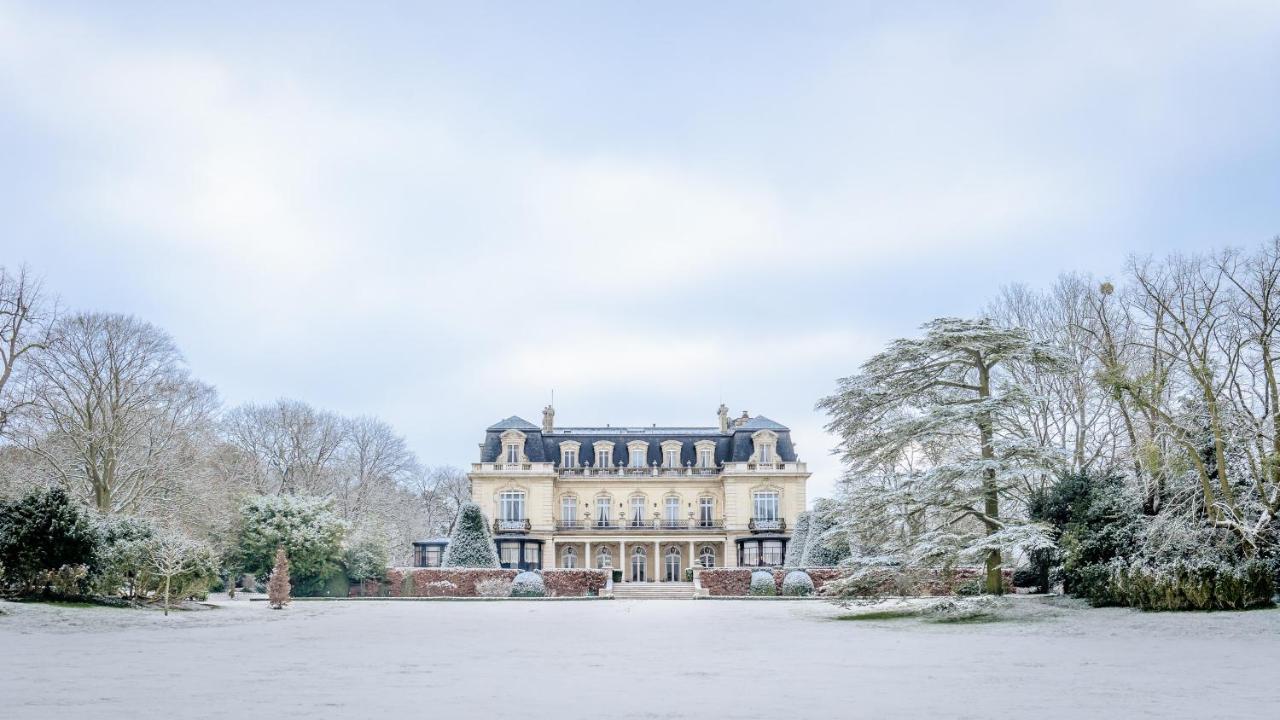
742,420
723,414
548,419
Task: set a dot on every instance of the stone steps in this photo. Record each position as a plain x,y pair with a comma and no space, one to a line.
653,591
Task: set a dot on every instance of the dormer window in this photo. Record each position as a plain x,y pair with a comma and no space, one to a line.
604,454
639,452
766,445
569,454
513,447
706,451
671,453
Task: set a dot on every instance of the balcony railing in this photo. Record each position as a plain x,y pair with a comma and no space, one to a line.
628,471
506,468
509,526
767,524
688,524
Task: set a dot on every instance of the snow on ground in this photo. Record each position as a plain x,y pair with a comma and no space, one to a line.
628,659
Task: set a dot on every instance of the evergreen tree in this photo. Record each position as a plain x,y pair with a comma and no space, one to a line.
471,544
278,586
795,548
40,533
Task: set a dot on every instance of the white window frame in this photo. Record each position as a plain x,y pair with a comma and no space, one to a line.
569,509
671,509
509,501
639,506
604,558
637,456
569,558
705,552
706,511
603,504
766,505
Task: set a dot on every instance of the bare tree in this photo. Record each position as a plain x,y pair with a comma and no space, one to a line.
116,413
443,490
24,330
170,554
293,446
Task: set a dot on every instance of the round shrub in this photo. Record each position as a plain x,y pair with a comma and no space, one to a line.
762,583
528,584
797,583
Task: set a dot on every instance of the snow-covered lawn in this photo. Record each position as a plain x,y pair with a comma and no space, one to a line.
628,659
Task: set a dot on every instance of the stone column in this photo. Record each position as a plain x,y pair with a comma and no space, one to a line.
690,563
729,560
657,561
588,561
550,549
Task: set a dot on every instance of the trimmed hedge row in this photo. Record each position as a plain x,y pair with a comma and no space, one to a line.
461,582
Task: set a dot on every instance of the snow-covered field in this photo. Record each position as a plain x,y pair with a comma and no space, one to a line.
628,659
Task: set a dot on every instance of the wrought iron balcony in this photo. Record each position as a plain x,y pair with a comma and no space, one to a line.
767,525
511,526
570,524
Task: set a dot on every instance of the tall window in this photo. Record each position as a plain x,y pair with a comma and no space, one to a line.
706,511
706,458
604,456
569,509
766,453
509,555
604,558
570,558
513,453
707,556
750,554
766,506
637,510
638,456
602,510
771,552
569,458
671,507
511,505
671,458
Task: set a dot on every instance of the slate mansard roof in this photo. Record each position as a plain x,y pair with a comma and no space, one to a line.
732,446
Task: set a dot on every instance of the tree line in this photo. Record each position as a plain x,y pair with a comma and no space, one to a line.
1122,438
104,407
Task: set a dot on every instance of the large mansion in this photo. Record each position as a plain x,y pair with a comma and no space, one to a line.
650,501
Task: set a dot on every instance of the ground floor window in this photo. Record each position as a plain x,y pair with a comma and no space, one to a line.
707,556
672,565
521,554
755,552
604,558
570,558
428,554
639,565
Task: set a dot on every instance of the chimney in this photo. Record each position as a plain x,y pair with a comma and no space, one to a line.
742,420
723,414
548,419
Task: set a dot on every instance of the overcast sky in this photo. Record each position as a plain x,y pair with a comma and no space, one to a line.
439,213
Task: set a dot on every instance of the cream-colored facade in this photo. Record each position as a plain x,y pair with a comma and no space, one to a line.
651,502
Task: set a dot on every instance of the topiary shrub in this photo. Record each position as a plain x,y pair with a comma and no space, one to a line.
528,584
797,583
825,545
795,548
471,544
762,584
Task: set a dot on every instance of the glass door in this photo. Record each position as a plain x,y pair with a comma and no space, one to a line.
673,565
638,566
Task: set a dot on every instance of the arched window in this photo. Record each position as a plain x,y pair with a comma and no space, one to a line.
707,556
569,558
604,558
671,564
639,564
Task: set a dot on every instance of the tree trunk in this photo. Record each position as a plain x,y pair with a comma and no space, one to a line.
990,491
166,595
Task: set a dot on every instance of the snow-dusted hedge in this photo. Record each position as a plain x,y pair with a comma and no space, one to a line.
430,582
574,582
528,584
1192,585
471,544
797,582
762,583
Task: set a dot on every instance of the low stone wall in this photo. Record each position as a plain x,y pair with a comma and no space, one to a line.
722,582
574,583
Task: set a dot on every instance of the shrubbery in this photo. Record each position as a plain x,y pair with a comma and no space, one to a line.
47,544
308,530
471,544
528,584
762,583
797,583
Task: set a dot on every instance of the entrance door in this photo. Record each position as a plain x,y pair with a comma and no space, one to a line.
672,565
638,566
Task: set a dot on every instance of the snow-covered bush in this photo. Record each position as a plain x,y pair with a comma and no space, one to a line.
799,535
308,529
762,583
494,587
40,534
797,582
365,559
528,584
471,544
825,543
982,608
